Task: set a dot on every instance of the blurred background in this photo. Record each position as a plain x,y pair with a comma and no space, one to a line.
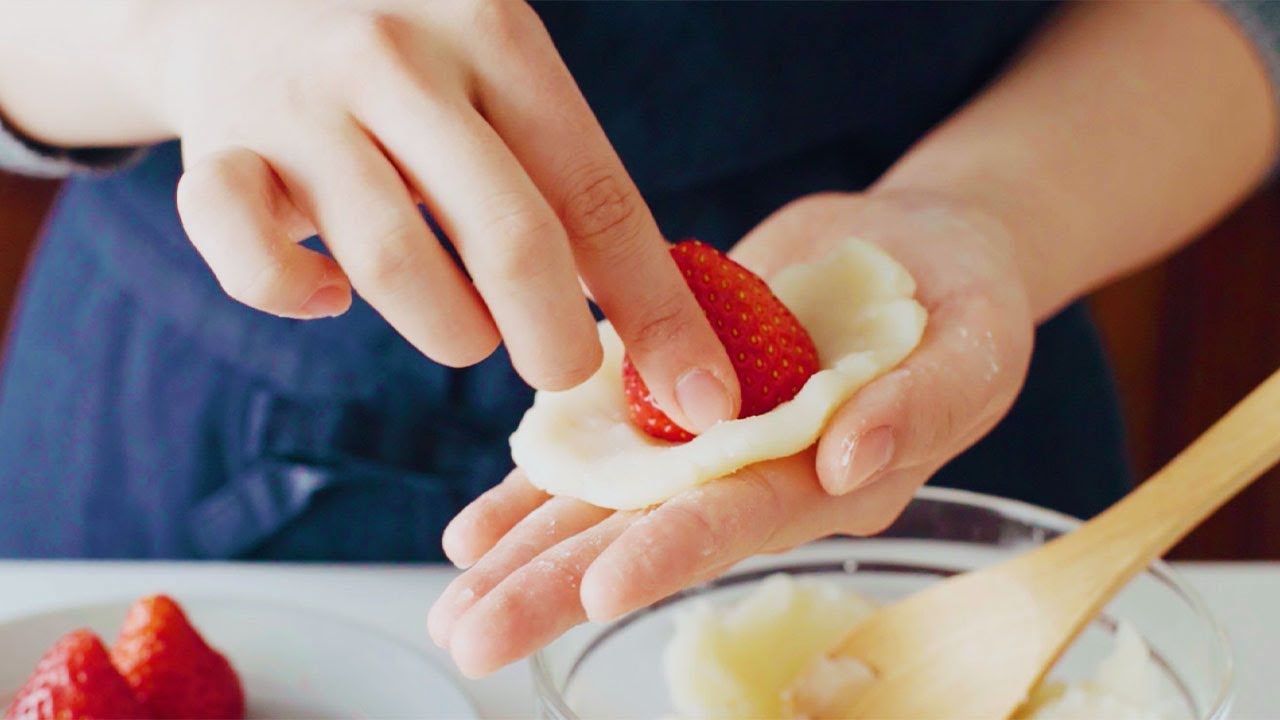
1188,338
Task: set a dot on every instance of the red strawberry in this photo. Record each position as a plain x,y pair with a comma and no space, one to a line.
174,673
75,680
771,352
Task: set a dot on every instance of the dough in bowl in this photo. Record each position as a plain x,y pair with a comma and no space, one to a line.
763,655
858,306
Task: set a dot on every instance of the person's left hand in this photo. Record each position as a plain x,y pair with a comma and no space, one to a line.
539,565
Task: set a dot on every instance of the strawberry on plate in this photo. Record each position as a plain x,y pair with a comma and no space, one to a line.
171,669
75,680
771,352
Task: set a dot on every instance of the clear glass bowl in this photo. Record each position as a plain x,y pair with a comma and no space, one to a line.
615,670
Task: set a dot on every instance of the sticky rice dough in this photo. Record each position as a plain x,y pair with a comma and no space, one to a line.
858,306
765,656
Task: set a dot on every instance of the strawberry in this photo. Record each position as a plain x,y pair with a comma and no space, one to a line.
174,673
75,680
771,352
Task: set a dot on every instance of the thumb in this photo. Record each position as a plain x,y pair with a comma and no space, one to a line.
949,393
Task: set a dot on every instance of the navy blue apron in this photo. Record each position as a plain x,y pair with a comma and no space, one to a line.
144,414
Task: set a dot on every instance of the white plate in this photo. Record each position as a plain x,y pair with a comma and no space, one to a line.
293,662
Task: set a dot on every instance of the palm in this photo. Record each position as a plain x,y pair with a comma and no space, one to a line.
544,564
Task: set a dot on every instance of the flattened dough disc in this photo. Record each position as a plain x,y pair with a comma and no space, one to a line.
858,306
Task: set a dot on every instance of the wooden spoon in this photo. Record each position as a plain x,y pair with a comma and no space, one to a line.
975,645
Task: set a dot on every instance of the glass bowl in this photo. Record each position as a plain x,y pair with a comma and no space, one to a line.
615,670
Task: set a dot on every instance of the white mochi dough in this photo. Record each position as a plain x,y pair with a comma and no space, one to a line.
765,656
858,307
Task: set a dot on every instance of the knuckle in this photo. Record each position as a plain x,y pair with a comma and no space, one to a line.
207,182
262,288
600,209
519,231
663,323
699,526
505,23
390,256
370,36
768,503
566,371
950,421
369,57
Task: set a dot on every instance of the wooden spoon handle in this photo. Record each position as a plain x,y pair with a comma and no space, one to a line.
1123,540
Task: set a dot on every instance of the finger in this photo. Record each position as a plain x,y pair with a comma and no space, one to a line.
240,219
555,520
374,230
941,400
533,605
717,523
528,95
506,234
699,534
480,525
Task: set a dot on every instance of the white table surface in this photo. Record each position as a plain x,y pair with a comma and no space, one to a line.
1244,596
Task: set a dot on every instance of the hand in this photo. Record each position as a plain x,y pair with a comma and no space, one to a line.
540,565
303,116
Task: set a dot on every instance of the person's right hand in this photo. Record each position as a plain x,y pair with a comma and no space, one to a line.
302,117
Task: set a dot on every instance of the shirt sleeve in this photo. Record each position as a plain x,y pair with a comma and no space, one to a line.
25,156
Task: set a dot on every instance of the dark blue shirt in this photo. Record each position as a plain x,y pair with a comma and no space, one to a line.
144,414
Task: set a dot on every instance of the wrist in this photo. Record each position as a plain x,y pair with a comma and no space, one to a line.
149,34
71,77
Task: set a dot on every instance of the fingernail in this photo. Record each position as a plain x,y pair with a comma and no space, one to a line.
865,455
328,301
703,399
